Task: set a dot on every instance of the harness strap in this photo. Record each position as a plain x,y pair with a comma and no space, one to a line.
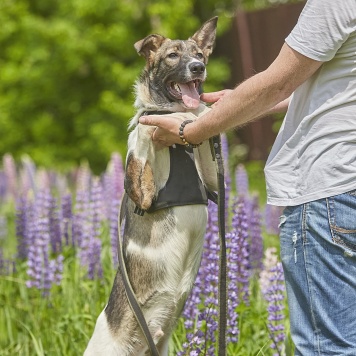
128,287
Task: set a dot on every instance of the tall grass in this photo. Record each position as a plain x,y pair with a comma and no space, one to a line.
60,321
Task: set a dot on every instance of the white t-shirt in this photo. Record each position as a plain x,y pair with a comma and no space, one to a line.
314,155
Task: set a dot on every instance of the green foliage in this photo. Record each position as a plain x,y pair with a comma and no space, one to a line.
261,4
60,324
67,71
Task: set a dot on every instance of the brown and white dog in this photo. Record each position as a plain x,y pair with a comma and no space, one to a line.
163,248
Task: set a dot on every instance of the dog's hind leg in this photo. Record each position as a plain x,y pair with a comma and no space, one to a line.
157,337
162,345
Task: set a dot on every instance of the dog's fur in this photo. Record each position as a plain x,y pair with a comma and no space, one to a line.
162,249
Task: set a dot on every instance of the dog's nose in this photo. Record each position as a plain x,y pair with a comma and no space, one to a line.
197,67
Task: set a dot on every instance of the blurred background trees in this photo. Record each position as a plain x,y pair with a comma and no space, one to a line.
67,69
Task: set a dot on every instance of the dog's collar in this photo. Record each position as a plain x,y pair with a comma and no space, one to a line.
157,112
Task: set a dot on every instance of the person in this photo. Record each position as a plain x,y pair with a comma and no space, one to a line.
311,169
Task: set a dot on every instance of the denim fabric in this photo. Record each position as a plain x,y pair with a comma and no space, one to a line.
318,251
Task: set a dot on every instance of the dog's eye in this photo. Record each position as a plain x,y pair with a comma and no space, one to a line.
200,55
173,55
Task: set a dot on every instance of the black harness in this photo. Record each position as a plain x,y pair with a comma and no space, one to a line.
184,187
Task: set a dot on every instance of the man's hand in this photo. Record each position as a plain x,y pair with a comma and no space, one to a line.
167,131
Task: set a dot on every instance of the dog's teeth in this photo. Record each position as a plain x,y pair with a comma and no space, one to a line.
176,87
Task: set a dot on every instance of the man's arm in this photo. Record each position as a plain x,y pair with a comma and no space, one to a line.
251,99
214,97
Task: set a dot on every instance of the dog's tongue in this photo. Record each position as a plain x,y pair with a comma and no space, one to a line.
190,95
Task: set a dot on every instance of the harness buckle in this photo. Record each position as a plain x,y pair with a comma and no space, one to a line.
139,211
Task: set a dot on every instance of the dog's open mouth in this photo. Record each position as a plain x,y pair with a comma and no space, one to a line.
188,92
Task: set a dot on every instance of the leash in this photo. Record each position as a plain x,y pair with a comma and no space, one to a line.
215,145
131,297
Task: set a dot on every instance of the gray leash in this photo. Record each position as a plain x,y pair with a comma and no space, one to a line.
131,297
215,144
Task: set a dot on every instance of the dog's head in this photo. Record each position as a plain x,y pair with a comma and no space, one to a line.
175,69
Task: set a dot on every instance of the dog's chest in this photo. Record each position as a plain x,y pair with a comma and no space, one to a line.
169,243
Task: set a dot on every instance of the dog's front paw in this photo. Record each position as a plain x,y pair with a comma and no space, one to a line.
139,182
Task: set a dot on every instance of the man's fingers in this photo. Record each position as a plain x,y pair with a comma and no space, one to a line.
167,128
214,96
209,97
152,120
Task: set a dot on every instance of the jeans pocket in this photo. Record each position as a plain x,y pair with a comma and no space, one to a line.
342,216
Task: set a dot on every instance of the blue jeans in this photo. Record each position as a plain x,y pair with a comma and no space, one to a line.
318,251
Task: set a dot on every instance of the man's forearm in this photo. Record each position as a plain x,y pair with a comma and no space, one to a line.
250,100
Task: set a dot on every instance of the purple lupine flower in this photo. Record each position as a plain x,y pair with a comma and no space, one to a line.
114,232
3,227
87,228
225,153
118,173
209,261
54,181
270,260
94,250
273,289
7,266
94,266
79,223
241,180
54,226
233,291
58,183
272,214
96,205
240,228
10,171
2,262
255,240
113,191
3,185
56,267
83,180
206,288
23,212
28,176
201,342
41,271
43,179
82,229
66,218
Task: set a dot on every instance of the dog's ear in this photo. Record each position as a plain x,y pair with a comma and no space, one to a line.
205,36
148,46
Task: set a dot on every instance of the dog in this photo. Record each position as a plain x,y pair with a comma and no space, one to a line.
163,247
